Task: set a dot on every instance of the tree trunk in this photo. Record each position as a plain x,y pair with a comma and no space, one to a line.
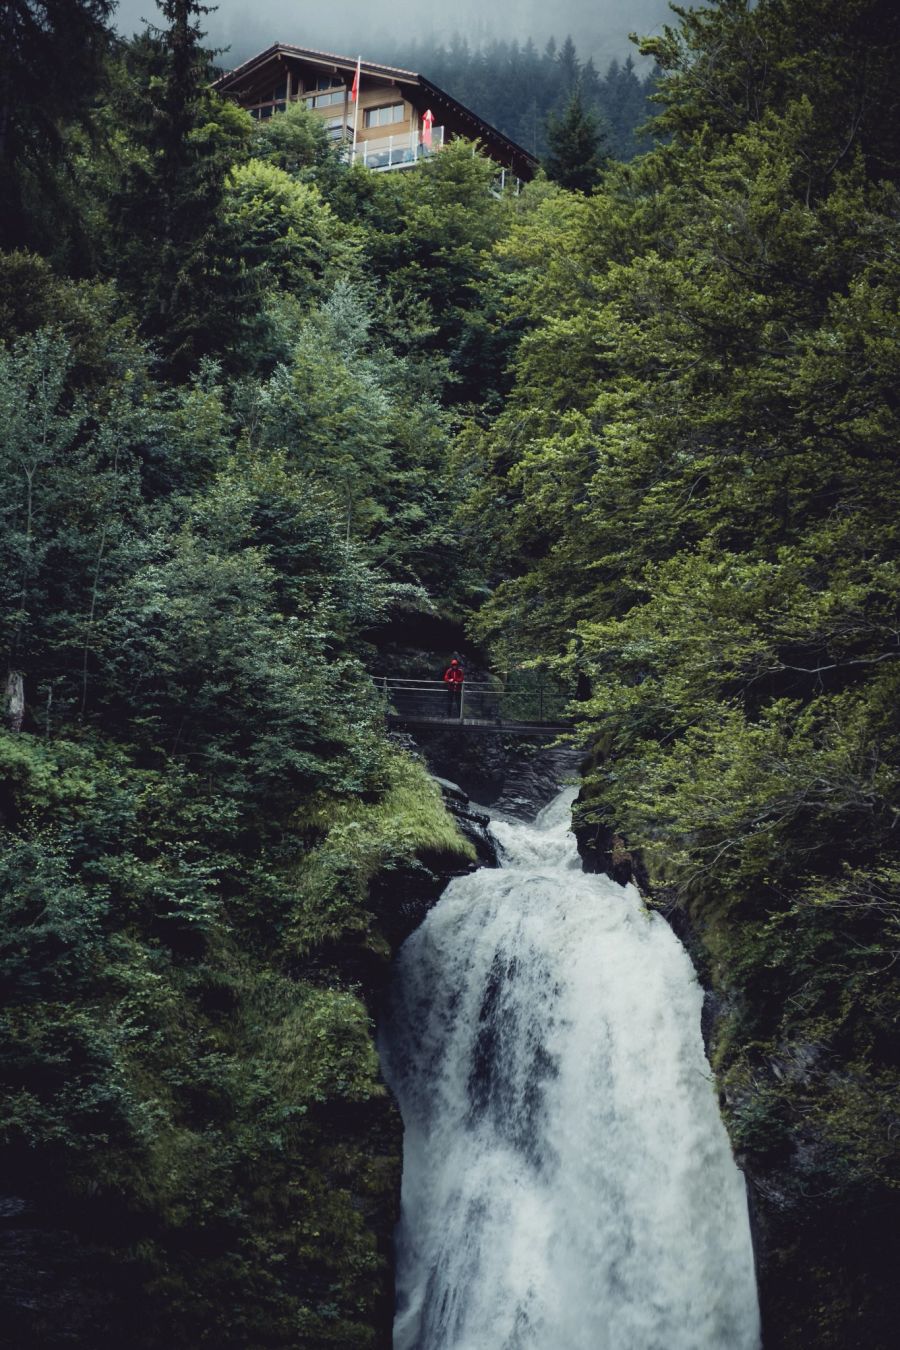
15,700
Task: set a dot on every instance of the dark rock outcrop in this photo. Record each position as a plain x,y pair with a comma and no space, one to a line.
605,851
514,776
534,777
473,824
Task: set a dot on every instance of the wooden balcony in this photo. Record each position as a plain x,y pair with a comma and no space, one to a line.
396,152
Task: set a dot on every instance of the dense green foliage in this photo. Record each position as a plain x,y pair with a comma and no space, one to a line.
192,1109
224,457
254,403
694,496
51,63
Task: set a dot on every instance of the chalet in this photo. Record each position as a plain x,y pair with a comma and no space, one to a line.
398,118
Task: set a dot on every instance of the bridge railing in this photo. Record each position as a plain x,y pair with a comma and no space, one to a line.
479,700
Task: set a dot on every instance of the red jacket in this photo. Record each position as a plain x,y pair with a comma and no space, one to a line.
454,675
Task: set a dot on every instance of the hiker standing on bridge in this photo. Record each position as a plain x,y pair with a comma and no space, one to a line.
453,679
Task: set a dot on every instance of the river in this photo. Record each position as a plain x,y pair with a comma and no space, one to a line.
567,1180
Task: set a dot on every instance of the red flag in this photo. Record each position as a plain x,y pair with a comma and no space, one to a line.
427,124
354,92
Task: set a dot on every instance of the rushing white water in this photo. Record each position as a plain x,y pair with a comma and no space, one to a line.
567,1180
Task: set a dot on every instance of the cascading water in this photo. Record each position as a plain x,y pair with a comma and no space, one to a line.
567,1180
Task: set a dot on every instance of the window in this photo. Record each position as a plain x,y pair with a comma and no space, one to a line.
383,117
326,100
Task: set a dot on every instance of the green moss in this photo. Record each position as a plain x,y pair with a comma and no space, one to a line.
360,840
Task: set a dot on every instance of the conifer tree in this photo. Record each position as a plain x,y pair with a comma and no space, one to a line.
568,64
51,62
173,228
575,158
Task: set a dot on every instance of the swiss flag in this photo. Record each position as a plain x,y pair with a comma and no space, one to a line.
427,124
354,92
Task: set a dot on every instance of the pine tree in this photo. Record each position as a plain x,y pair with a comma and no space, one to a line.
568,65
51,65
179,265
575,158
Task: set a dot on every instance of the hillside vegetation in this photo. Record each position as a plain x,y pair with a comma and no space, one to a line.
255,404
692,494
223,451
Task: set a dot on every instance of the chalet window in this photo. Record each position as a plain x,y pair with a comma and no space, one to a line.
383,117
326,100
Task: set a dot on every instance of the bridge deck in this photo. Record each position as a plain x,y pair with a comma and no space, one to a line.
482,724
479,706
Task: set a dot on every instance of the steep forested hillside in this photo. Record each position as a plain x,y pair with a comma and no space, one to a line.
692,493
224,442
253,405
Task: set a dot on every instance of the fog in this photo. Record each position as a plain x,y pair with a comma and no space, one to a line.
599,28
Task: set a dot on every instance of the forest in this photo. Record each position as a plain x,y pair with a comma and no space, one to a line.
517,88
256,404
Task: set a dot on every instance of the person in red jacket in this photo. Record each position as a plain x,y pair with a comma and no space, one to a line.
453,679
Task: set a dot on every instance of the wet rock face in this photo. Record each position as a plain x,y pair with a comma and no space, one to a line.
473,824
532,780
604,850
510,775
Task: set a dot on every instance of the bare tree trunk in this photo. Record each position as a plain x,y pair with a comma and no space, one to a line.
15,700
6,60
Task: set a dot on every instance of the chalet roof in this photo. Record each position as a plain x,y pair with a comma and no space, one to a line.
417,89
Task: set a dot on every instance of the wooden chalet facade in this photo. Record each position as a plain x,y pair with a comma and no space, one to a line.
401,116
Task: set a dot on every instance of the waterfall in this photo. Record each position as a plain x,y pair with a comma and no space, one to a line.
567,1180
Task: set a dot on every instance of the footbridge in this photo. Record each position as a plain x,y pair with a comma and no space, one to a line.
476,705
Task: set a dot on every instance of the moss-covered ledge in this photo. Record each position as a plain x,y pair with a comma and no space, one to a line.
360,891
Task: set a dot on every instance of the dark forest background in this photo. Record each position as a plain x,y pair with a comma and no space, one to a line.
516,88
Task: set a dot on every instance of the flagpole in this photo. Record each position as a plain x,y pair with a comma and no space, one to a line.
355,97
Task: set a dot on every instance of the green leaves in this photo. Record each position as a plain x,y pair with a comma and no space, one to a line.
692,495
289,238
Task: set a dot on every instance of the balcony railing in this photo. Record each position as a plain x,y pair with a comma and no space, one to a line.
387,152
397,152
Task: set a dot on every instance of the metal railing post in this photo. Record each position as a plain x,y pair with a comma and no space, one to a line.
462,695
